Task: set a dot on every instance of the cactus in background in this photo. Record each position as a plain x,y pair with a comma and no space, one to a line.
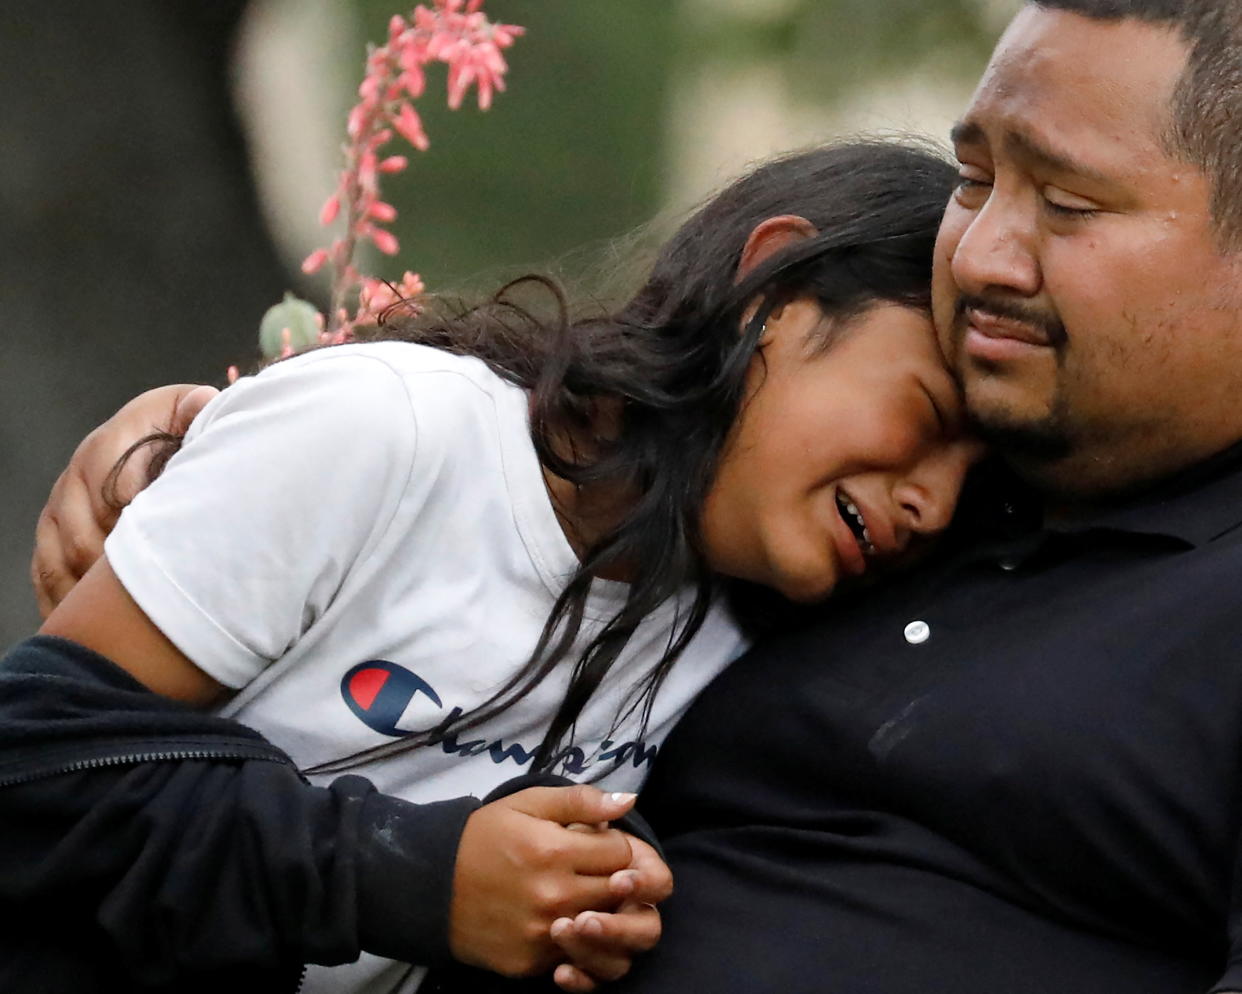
288,327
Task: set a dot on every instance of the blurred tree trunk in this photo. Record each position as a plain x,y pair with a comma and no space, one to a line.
133,251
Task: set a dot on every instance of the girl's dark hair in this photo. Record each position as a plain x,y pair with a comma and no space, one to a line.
672,364
674,360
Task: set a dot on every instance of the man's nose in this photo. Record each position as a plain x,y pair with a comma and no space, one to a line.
998,249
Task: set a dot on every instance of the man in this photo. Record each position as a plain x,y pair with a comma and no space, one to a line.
1018,769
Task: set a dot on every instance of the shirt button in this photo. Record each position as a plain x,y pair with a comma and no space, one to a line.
917,631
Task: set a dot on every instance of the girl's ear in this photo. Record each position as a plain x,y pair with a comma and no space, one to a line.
772,236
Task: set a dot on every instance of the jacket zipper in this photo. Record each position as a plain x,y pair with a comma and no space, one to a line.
171,755
78,765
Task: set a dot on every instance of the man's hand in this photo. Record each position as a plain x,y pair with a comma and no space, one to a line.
76,520
601,946
519,869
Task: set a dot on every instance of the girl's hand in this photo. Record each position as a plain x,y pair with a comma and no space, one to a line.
601,946
519,869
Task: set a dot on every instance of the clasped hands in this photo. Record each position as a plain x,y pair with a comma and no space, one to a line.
542,883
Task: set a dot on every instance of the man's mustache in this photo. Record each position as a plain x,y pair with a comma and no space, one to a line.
1049,324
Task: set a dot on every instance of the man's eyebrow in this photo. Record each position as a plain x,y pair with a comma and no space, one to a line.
1024,146
1031,149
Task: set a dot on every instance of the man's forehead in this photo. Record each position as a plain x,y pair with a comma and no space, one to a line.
1057,78
1059,48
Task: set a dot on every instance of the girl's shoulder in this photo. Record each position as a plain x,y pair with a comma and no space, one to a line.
405,359
438,383
390,411
380,386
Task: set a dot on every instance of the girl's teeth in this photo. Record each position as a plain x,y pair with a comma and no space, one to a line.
852,509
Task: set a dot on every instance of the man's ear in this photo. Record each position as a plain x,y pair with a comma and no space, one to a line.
770,237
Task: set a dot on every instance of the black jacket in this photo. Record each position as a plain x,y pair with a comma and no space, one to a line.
147,846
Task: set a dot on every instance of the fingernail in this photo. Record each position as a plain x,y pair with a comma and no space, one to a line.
560,927
621,798
592,926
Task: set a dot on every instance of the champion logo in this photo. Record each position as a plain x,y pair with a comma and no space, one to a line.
389,698
392,700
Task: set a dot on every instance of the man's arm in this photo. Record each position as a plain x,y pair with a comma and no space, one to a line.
78,516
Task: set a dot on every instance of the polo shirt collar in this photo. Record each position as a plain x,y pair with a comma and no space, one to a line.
1195,506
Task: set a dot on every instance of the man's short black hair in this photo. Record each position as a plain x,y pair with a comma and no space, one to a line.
1206,112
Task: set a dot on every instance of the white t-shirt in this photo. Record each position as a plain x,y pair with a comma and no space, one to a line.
360,540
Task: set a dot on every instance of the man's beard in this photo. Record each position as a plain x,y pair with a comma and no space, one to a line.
1029,442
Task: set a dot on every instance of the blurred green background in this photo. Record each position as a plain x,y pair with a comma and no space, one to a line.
162,163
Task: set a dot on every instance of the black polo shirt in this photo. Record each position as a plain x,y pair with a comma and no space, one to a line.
1016,770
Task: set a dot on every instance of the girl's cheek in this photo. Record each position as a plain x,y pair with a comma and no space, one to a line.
891,436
